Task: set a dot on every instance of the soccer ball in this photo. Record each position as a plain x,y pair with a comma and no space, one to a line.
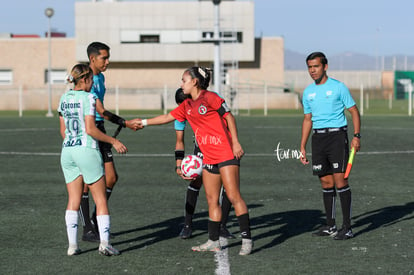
192,166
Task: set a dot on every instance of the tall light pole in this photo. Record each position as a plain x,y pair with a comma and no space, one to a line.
49,13
377,66
217,58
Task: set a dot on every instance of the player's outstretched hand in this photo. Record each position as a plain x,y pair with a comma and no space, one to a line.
139,122
303,158
134,124
119,147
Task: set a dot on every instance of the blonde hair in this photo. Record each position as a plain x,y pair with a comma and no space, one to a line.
78,72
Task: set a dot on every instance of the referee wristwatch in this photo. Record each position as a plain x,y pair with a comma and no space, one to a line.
357,135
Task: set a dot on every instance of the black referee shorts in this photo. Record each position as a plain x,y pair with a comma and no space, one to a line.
330,152
104,148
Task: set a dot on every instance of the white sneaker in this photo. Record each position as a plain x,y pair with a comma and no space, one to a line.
73,250
210,245
247,246
108,250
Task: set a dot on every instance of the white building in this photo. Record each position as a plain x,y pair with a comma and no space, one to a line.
152,43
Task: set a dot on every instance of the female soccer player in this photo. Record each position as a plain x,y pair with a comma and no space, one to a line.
194,187
216,133
81,160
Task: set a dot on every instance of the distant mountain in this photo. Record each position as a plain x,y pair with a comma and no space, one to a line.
353,61
294,60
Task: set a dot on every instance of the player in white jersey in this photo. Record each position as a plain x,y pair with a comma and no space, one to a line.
81,160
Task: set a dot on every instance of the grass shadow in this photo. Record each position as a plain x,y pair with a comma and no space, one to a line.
383,217
165,230
279,226
284,225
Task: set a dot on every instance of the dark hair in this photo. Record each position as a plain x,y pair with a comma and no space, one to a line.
202,75
180,96
78,72
95,47
320,55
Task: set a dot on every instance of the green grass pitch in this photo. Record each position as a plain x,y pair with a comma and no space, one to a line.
284,200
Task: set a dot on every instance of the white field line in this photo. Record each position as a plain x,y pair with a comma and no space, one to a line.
364,128
109,129
169,155
241,126
222,259
29,129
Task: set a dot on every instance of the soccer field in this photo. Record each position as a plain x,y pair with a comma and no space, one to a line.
284,199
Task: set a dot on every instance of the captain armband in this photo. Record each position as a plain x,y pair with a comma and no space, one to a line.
223,109
179,154
114,118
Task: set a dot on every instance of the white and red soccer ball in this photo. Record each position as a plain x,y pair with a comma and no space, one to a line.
192,166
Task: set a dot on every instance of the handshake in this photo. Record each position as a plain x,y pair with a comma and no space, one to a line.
138,123
134,124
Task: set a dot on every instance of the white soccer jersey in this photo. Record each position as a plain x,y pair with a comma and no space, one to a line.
74,106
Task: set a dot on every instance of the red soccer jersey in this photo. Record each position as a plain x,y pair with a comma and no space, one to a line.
210,129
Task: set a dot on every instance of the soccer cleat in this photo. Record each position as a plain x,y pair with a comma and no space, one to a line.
247,246
90,236
225,233
108,250
326,231
344,234
73,250
186,232
210,245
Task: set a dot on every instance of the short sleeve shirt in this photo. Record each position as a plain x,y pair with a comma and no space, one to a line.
210,129
99,90
74,106
327,102
179,125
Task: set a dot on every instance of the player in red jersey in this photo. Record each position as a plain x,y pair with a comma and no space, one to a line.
194,186
215,132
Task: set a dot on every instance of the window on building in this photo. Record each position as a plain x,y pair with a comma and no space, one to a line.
6,77
176,36
238,36
136,36
227,36
56,76
150,38
208,35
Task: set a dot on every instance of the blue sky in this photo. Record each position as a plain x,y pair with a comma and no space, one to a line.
377,28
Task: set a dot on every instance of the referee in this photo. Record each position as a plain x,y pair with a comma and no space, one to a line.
324,104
